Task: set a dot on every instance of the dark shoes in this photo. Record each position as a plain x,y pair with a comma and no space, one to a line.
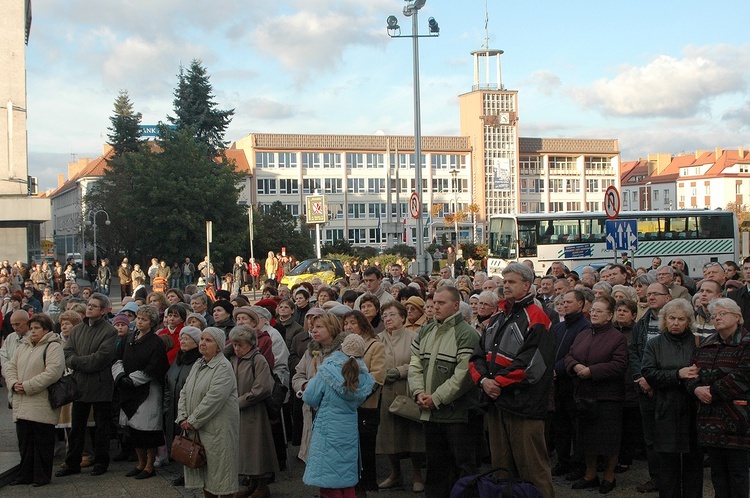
98,471
585,483
134,472
620,469
647,487
145,475
560,470
18,482
607,486
180,481
67,471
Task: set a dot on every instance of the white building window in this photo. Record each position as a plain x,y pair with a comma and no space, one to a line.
356,211
375,185
357,236
266,186
293,209
333,186
310,185
355,185
288,186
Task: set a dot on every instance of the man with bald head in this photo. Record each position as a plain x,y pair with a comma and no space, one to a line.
19,320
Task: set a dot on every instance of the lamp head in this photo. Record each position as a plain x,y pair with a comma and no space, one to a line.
392,22
107,222
433,25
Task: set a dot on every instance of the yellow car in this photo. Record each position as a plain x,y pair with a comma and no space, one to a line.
327,270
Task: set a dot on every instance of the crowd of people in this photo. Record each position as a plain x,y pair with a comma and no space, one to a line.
564,374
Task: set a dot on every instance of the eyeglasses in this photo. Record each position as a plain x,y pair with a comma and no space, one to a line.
721,314
715,263
654,294
92,305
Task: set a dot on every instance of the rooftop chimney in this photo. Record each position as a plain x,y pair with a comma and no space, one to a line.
60,180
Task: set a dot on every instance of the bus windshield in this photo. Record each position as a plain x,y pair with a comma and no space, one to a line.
503,238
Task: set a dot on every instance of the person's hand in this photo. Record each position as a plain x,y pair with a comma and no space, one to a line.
424,401
491,387
690,372
643,385
392,375
125,382
584,373
186,426
18,387
703,393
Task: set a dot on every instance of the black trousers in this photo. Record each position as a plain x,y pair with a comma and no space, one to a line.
451,454
79,417
36,444
681,474
632,434
648,415
729,472
564,430
368,422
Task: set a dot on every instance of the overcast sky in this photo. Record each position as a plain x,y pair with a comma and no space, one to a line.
660,76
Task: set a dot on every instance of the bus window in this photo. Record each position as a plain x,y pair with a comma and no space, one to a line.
715,227
503,238
527,238
593,230
559,232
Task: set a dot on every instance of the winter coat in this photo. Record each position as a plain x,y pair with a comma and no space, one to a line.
638,343
725,367
90,352
439,367
374,359
604,350
333,460
175,380
254,384
288,330
104,275
674,420
144,361
175,335
208,402
741,296
565,333
631,388
306,369
37,374
397,434
123,273
518,351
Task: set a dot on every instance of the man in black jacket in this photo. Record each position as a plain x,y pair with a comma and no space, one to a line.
741,296
513,363
569,458
89,352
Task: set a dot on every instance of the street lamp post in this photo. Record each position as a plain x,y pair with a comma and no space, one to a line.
455,172
91,221
394,31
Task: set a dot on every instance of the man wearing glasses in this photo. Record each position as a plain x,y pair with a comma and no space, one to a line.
665,275
89,352
645,329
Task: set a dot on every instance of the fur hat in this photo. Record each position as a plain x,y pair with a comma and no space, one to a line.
416,301
262,312
198,317
246,310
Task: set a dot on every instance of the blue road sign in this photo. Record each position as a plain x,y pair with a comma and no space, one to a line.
622,235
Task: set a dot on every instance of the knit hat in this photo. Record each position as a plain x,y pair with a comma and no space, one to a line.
246,310
353,345
315,312
198,317
121,318
225,305
193,332
219,336
269,304
262,312
339,310
416,301
131,307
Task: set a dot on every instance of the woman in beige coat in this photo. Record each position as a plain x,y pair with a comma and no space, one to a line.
396,434
254,384
326,338
208,404
36,364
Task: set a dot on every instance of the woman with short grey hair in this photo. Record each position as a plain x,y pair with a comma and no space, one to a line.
245,334
602,289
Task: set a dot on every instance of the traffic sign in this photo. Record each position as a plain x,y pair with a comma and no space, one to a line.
622,235
415,207
612,202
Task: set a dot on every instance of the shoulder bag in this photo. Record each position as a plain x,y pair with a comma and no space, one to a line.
278,395
63,391
188,452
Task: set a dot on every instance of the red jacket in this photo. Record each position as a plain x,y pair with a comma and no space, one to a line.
172,353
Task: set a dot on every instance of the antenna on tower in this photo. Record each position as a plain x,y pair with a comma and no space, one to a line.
486,24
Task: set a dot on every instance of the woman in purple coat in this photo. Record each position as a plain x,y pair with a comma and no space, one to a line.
597,361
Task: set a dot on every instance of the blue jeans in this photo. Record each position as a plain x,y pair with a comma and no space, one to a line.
187,280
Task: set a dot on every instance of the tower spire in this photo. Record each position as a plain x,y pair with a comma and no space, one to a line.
486,24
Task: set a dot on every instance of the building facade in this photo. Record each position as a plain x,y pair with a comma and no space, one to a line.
21,212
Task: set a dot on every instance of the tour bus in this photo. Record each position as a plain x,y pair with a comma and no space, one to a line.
577,239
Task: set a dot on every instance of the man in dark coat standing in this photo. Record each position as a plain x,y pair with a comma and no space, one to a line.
89,352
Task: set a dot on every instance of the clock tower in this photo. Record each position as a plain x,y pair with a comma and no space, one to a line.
489,117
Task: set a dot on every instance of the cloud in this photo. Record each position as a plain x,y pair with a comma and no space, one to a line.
544,81
738,117
667,86
314,38
267,109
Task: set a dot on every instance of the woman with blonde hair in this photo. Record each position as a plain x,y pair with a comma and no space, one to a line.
272,266
326,338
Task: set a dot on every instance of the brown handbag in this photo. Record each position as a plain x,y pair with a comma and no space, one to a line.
189,452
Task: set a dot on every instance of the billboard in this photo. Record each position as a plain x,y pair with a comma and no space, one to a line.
316,209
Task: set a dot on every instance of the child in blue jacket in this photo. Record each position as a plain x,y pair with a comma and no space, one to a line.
340,386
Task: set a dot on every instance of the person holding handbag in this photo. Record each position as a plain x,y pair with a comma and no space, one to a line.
36,364
208,404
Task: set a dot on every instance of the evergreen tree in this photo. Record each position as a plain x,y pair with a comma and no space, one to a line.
195,108
277,228
125,132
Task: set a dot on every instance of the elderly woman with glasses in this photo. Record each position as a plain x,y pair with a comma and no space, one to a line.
666,365
722,388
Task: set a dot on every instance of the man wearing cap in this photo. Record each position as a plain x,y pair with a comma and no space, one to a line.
625,261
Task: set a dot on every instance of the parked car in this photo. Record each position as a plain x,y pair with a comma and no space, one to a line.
327,270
